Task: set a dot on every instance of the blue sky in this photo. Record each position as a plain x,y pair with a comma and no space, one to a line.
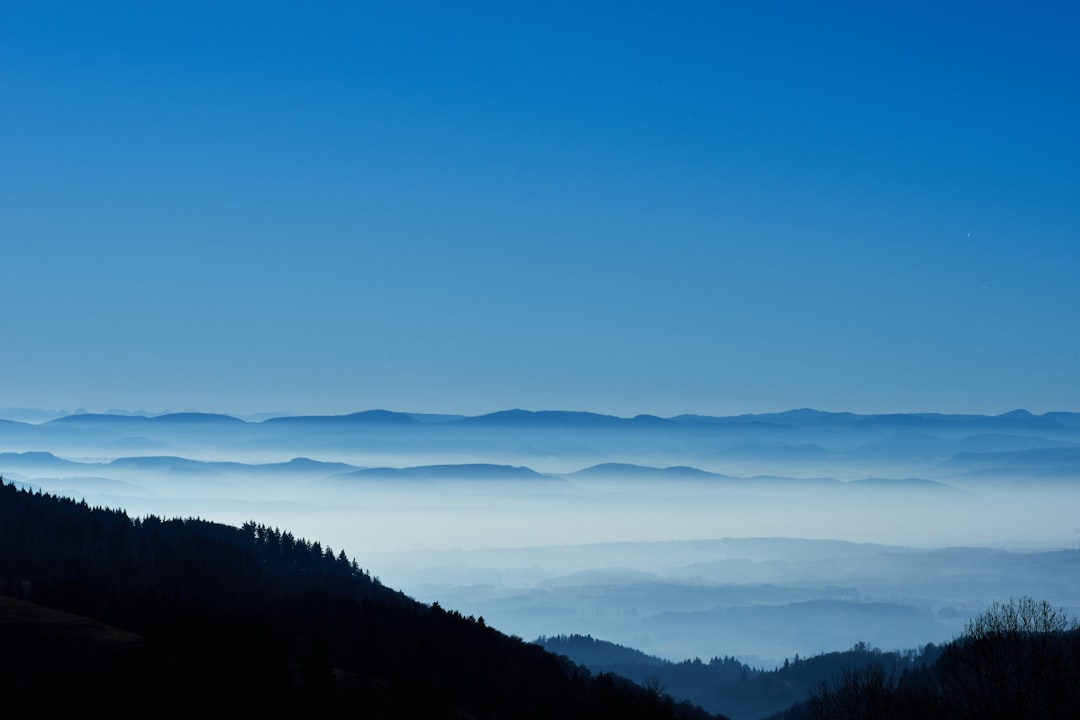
463,207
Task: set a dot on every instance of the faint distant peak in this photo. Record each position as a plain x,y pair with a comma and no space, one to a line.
806,412
693,418
306,464
615,467
560,419
364,417
155,461
786,418
97,419
649,420
465,471
30,415
808,415
540,417
30,455
1018,414
196,418
629,470
34,457
382,416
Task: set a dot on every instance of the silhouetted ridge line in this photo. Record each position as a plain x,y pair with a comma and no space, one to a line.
252,621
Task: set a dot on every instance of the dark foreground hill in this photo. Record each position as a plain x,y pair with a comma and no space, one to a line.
741,691
184,618
1015,661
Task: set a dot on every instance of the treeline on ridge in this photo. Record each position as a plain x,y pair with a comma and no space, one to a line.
253,621
725,684
1018,660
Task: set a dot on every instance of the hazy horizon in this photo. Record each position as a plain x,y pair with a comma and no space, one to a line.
622,208
257,415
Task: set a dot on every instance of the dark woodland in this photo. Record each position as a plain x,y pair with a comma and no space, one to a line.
183,618
1016,660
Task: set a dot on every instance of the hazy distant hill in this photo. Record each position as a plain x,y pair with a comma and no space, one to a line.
367,417
45,462
807,417
95,419
1055,461
303,465
789,417
193,418
468,471
630,471
108,419
562,419
36,461
163,463
16,431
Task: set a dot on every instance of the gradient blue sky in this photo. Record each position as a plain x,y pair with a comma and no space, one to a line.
462,207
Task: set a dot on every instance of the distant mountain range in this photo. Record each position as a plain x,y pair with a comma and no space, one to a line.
794,437
1014,419
32,464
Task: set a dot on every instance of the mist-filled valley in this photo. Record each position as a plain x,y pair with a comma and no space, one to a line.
758,537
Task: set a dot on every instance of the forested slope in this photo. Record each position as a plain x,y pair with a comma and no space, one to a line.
250,621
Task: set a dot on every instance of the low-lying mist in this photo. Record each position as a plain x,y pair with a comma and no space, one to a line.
764,538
